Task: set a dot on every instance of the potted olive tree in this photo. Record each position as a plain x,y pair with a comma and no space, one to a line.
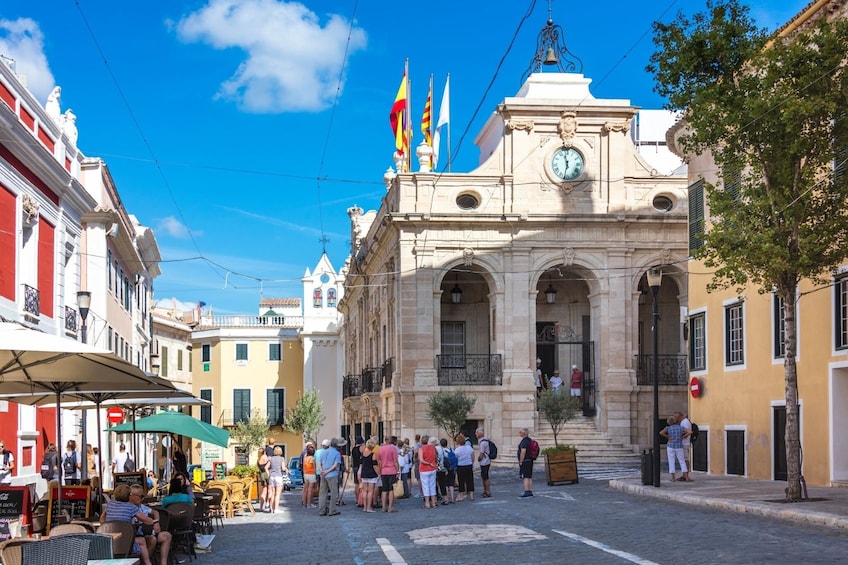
560,460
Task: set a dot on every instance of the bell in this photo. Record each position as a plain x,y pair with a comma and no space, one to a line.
551,57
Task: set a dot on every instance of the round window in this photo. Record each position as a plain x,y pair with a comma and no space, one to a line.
467,201
325,278
663,203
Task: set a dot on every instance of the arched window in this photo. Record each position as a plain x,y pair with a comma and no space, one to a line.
331,298
316,298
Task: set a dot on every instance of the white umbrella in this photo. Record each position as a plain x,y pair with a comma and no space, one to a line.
36,363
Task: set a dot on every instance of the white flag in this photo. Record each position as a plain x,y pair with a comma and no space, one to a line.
444,119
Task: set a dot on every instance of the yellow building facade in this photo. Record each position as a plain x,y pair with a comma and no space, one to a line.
735,351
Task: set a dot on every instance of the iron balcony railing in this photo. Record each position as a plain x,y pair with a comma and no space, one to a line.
372,379
31,300
672,369
351,386
71,320
470,369
388,369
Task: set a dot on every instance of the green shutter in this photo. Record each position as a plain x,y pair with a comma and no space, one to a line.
696,215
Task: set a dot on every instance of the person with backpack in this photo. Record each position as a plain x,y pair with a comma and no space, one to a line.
686,424
446,476
119,463
525,462
8,464
464,468
71,464
484,458
50,463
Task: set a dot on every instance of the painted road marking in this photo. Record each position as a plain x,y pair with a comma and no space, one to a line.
473,534
390,552
604,547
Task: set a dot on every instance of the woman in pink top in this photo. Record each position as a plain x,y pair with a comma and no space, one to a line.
387,458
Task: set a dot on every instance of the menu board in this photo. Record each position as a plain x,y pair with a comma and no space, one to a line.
219,470
75,503
130,479
14,502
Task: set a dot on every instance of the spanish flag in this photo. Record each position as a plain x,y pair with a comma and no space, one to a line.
397,117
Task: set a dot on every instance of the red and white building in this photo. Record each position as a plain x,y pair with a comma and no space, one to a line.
64,229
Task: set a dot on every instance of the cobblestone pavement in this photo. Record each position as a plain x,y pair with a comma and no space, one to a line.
584,523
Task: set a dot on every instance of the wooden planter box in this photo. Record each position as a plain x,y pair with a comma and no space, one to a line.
561,467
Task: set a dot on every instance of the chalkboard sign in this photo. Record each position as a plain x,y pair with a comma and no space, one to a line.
75,503
14,502
130,479
219,470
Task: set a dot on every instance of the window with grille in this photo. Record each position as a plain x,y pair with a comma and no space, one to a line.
779,332
840,311
734,335
698,342
453,344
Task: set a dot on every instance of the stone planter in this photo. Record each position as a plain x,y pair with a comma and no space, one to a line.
561,467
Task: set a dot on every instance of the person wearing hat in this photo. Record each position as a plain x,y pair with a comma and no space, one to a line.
576,380
537,379
556,382
339,443
327,463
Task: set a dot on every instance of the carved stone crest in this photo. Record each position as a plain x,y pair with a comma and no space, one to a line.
30,208
567,127
526,125
468,256
568,256
621,127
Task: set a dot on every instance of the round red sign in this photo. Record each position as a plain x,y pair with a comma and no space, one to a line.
695,387
115,415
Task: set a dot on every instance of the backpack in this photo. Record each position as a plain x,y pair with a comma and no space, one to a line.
493,449
451,456
694,435
47,464
533,452
69,464
129,464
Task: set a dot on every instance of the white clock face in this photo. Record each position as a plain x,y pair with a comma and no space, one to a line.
567,163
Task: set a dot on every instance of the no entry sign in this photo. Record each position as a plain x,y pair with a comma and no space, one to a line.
115,415
695,387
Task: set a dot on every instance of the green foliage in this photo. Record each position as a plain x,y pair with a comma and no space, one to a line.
772,108
449,410
307,415
244,471
558,448
251,434
557,408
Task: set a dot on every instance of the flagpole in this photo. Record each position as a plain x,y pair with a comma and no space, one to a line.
407,125
448,124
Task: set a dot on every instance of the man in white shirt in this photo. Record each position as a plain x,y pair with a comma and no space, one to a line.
119,460
556,382
7,464
686,424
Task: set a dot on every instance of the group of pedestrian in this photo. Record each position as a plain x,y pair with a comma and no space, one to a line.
555,383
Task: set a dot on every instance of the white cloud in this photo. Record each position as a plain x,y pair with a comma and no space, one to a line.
23,41
292,63
175,228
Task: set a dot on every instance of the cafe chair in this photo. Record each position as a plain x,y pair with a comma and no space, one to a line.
10,550
68,529
87,525
218,504
238,498
65,550
181,526
101,546
122,545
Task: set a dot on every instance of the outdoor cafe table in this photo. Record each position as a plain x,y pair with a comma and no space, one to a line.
124,561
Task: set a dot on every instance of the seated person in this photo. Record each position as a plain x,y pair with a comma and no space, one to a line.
127,506
176,493
186,482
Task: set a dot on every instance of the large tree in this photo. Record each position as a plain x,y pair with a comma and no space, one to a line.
251,433
771,111
306,416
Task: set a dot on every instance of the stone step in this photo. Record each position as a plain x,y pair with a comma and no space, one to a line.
594,447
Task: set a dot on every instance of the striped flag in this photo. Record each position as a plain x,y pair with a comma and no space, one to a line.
426,120
397,117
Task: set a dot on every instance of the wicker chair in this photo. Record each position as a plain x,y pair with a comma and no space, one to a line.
238,498
64,550
62,529
181,526
217,507
100,547
10,550
87,525
122,546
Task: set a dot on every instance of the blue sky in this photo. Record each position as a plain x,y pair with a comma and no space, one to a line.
227,130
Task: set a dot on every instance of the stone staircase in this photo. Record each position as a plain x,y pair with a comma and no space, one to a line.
594,448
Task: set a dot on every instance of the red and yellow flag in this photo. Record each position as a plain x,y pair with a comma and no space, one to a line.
426,120
397,117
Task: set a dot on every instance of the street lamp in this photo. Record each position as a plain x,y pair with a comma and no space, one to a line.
84,303
654,281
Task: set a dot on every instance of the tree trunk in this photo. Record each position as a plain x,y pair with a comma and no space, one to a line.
793,430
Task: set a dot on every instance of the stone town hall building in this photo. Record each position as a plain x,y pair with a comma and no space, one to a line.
461,280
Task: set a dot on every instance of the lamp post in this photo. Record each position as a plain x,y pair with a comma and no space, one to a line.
83,303
654,281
